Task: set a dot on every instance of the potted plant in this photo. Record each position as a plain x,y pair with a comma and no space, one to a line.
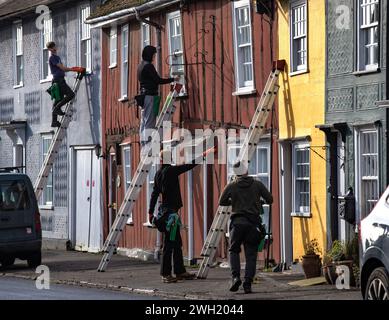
311,261
342,253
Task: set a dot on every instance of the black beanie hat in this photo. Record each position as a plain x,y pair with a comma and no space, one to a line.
148,52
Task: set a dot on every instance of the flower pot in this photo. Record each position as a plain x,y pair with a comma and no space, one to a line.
312,266
330,274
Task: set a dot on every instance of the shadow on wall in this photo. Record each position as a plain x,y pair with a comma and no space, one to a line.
289,116
307,233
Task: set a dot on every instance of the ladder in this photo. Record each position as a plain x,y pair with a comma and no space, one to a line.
255,131
136,184
55,144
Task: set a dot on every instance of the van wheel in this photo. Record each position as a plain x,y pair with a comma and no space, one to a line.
378,285
7,261
34,259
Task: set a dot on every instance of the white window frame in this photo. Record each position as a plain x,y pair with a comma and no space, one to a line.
149,188
364,24
85,37
297,212
127,174
113,47
46,35
124,63
177,55
144,29
298,33
246,86
18,52
43,203
360,178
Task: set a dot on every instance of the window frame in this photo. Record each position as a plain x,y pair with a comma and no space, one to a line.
298,69
297,212
124,73
248,86
87,39
113,52
361,55
49,76
170,16
142,38
127,168
359,177
16,54
42,203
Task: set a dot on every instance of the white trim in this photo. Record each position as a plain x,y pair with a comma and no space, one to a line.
19,86
244,92
298,69
124,90
42,33
248,85
16,27
127,148
81,24
297,73
301,146
113,36
142,40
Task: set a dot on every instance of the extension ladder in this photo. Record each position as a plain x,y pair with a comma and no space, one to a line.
136,184
55,144
250,143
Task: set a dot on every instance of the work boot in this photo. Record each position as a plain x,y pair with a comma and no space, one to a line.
235,284
169,279
55,124
58,111
186,276
247,287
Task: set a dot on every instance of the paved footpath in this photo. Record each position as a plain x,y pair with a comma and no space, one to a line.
134,276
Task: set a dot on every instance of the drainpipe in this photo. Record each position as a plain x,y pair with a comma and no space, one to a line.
190,217
205,200
148,6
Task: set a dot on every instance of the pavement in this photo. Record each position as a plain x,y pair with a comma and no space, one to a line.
142,277
25,289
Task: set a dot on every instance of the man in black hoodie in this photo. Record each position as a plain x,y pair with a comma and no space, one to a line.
166,182
245,195
149,81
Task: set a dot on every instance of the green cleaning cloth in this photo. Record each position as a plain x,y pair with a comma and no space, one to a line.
157,101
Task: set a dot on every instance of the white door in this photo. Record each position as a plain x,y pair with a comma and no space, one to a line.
87,202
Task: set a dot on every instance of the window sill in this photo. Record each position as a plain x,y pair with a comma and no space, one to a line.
244,92
112,66
364,72
297,73
123,99
45,80
148,225
301,215
46,207
182,96
18,86
131,224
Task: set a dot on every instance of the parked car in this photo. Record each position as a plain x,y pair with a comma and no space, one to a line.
20,224
374,235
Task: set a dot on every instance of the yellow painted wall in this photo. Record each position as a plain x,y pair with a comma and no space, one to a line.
301,107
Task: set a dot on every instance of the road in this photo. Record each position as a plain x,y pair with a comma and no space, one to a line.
23,289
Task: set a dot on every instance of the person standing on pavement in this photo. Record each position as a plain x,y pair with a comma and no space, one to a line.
149,80
166,183
245,195
58,71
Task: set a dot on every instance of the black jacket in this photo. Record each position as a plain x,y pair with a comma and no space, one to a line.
149,78
166,182
244,194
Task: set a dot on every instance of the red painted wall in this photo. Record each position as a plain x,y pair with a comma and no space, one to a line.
209,103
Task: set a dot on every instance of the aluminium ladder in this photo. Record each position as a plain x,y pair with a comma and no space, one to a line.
132,193
251,140
55,144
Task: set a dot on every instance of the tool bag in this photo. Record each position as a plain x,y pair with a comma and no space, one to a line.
55,92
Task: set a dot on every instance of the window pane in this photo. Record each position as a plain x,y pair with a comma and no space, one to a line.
19,69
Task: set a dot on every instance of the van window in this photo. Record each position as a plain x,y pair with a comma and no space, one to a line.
13,195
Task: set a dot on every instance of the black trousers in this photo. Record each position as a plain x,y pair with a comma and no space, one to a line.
67,93
172,249
249,236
